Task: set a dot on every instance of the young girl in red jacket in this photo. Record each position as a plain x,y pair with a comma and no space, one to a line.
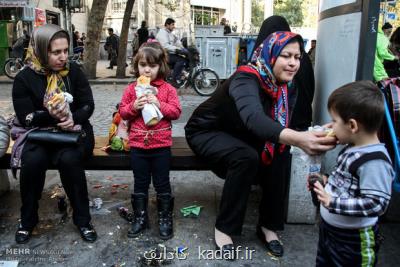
151,145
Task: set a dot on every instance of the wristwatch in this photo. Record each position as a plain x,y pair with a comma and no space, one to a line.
28,119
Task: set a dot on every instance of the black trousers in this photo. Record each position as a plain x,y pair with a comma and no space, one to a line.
35,160
347,247
148,163
239,164
178,63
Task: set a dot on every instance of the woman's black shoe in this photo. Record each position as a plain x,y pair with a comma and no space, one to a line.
88,233
22,235
274,247
228,249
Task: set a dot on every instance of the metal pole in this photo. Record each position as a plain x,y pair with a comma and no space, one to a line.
69,26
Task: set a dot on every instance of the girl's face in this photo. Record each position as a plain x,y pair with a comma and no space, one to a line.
288,63
57,55
148,70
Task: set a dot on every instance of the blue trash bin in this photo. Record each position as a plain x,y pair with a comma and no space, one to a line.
250,45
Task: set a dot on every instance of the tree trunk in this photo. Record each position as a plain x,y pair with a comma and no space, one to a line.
123,39
94,29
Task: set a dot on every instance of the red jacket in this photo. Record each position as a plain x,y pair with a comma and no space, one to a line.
157,135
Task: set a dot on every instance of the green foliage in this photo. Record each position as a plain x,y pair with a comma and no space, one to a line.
291,10
257,12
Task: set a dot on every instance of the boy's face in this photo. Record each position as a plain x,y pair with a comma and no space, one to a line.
341,129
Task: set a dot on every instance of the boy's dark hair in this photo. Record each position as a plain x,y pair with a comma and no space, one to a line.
387,25
361,101
169,21
153,53
110,30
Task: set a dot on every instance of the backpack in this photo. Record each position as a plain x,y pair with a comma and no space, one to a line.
360,161
118,134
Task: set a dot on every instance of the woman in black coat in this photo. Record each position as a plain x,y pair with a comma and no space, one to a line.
49,74
243,131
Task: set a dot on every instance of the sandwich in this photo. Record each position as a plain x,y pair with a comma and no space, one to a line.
330,133
143,81
56,100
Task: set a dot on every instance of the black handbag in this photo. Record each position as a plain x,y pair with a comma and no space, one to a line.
55,137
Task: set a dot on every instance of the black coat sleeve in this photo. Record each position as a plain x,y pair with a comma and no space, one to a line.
245,91
22,96
83,97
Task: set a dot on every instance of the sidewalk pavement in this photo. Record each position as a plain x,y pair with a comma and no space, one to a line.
57,242
103,75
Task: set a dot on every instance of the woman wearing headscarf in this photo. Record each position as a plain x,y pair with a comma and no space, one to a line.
303,81
48,74
242,130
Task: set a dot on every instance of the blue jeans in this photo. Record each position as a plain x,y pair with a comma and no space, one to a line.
148,163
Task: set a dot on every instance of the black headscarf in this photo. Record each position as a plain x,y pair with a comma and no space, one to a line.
303,81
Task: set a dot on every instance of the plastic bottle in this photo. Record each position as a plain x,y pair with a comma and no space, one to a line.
314,171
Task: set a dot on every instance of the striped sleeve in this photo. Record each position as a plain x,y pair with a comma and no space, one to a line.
376,178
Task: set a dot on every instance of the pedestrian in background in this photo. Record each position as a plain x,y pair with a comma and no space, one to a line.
111,46
382,52
311,52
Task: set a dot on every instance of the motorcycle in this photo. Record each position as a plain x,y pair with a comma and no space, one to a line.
204,80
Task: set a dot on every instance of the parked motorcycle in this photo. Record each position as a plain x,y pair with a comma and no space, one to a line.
14,65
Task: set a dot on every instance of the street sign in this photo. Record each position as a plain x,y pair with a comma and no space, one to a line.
14,3
391,16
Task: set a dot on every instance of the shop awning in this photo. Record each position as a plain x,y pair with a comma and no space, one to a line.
222,4
14,3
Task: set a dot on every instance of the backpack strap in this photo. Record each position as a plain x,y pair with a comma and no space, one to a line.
360,161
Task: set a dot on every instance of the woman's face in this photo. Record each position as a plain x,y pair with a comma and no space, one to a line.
58,54
288,63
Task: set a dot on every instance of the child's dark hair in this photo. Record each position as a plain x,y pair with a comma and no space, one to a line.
361,101
153,53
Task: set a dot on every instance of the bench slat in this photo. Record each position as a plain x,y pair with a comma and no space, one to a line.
183,157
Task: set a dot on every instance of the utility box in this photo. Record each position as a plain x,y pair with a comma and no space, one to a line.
209,31
219,53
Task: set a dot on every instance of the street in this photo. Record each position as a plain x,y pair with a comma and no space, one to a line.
57,242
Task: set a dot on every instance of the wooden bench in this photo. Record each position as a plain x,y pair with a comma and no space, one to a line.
300,209
183,157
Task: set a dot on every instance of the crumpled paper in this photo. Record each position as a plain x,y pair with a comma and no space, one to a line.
151,113
193,210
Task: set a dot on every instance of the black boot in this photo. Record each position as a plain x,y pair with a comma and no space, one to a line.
165,206
140,216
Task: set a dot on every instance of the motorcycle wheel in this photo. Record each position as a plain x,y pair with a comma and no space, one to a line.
205,82
12,67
